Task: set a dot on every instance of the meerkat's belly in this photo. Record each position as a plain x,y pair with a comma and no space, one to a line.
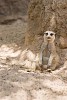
46,55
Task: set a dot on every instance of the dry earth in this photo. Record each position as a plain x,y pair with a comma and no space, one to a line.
18,84
15,82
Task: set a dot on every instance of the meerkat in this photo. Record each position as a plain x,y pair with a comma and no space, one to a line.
49,43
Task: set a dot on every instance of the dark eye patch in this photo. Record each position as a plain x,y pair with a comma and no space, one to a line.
51,34
46,34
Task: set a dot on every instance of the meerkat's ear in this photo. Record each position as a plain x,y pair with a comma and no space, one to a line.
54,33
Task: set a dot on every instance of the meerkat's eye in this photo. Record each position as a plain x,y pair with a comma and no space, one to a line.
46,34
51,34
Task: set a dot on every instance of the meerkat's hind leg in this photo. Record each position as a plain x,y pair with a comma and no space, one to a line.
65,64
53,67
55,63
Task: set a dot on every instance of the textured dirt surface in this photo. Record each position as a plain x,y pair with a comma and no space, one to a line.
15,82
12,10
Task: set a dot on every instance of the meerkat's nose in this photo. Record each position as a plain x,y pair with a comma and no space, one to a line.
48,37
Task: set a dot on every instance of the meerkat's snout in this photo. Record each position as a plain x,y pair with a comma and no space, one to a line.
49,36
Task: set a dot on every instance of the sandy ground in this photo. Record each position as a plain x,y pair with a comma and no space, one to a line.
18,84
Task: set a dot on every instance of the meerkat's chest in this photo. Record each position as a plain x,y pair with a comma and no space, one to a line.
49,48
47,51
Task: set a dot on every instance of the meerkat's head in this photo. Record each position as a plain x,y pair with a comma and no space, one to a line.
49,36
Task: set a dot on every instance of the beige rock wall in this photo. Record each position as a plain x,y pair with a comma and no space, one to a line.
13,9
13,21
47,15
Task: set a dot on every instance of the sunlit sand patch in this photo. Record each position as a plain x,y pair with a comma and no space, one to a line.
8,51
27,59
56,85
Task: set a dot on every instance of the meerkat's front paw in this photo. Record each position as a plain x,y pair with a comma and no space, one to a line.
48,66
